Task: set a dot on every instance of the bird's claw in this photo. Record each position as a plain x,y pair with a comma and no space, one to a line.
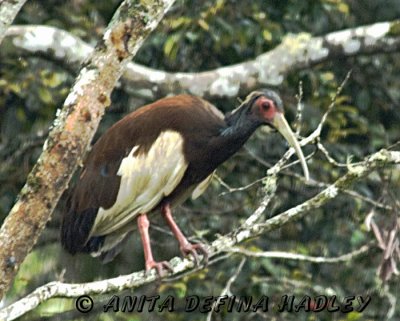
160,267
195,250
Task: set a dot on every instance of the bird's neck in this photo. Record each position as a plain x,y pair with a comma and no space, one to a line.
238,126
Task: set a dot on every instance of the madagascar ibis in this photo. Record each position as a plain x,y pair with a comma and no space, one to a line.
154,159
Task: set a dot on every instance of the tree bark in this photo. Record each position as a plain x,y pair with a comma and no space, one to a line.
8,11
73,130
269,69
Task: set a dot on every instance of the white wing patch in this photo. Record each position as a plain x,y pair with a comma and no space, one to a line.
145,180
202,186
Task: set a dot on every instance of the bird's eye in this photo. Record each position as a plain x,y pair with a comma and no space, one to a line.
266,105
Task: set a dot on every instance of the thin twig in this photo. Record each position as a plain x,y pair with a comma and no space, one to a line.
227,290
297,284
315,135
328,157
258,158
394,145
295,162
242,188
352,193
333,102
219,245
222,182
300,257
392,299
300,106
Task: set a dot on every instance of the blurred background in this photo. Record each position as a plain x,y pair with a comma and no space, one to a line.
203,35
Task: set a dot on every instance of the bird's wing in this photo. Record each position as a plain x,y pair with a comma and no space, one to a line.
145,178
200,188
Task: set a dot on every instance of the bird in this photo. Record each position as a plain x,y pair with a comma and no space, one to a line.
154,159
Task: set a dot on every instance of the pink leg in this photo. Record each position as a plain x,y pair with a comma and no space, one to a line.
143,225
184,245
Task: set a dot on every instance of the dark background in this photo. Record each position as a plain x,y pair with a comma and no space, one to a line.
204,35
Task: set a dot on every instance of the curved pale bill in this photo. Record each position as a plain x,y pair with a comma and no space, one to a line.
283,127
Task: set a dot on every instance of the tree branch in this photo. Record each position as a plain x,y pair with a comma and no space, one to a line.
300,257
8,11
73,130
295,52
354,173
222,244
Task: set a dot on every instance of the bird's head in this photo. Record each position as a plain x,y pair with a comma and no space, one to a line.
265,106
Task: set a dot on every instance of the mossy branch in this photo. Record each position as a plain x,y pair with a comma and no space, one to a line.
73,130
268,69
226,243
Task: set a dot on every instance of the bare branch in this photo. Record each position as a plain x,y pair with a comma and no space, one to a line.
300,257
392,299
8,11
313,182
269,69
300,106
227,289
222,244
297,284
328,157
363,198
332,104
314,136
73,130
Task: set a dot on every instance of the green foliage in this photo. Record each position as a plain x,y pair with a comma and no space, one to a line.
202,35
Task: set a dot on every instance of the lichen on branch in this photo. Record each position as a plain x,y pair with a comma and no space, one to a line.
223,244
297,51
73,130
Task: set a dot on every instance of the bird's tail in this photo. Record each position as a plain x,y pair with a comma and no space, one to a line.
75,230
106,247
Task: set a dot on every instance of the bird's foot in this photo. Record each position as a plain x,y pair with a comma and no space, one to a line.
161,267
195,250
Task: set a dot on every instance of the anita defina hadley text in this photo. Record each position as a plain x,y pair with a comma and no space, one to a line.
285,303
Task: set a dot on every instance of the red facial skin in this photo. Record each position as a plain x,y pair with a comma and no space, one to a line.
267,108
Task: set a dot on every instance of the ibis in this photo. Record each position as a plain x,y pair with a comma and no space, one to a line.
154,159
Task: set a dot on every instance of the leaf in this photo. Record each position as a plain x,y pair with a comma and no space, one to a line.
54,79
267,35
45,95
357,238
354,316
343,8
327,77
191,36
171,46
180,288
15,88
180,22
203,24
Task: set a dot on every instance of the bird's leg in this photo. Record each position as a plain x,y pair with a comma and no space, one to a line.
143,225
184,245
